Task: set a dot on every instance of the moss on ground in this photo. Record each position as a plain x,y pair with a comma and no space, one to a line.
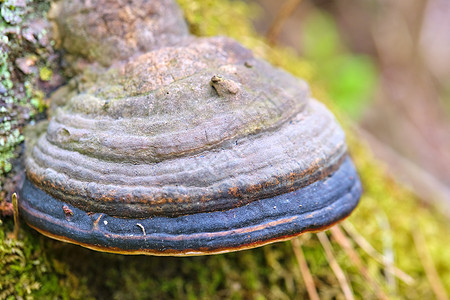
37,267
28,270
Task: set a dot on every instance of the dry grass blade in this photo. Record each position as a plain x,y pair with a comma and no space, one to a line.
309,282
345,243
428,265
345,286
285,12
16,216
367,247
388,251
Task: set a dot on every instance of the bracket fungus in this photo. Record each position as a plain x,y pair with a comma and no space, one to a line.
180,145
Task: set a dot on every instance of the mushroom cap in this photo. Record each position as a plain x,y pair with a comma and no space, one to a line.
191,148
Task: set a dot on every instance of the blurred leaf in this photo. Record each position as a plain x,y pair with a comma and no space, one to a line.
320,38
349,79
352,83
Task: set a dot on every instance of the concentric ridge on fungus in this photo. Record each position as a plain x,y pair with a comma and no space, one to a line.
192,147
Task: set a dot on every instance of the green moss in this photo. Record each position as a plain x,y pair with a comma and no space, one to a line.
45,74
28,269
386,203
39,267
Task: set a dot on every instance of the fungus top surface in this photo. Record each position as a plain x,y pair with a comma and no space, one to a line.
182,126
164,104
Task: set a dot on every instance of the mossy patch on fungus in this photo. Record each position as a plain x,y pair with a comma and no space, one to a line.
38,267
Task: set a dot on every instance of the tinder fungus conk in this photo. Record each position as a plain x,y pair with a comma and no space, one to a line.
180,145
